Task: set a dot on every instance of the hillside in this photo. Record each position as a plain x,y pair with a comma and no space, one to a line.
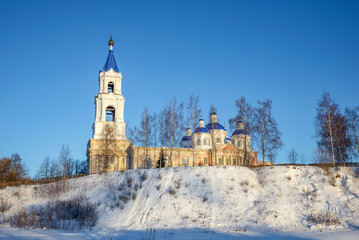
226,198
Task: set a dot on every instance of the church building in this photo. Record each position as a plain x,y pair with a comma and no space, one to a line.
109,150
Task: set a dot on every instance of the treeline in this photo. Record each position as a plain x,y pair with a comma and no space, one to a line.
14,171
336,132
63,167
167,127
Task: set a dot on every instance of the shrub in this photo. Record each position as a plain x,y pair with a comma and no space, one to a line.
245,183
75,213
4,205
328,218
143,177
172,191
260,176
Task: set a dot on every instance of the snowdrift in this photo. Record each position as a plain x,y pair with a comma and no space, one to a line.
277,198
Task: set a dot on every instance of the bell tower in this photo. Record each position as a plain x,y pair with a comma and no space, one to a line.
108,148
109,103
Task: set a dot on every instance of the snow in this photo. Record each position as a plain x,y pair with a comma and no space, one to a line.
206,203
9,233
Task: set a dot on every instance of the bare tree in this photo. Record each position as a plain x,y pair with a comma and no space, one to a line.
145,137
64,159
193,113
342,142
266,129
172,119
352,116
245,114
154,126
44,169
321,156
324,123
180,126
134,138
293,156
213,135
107,148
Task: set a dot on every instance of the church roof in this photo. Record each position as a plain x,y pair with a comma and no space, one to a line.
238,132
110,63
187,138
201,130
215,125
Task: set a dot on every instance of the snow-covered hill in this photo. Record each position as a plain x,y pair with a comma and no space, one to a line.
278,198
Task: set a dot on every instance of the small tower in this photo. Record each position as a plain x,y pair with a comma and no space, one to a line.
109,102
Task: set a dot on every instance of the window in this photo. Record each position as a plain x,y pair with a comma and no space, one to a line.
147,158
205,161
227,161
110,114
220,161
239,143
218,140
234,161
185,160
198,142
112,159
111,87
204,141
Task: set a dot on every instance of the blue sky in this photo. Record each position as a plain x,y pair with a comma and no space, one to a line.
287,51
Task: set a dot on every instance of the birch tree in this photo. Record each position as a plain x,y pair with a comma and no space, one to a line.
352,116
107,148
324,123
64,159
266,129
193,113
145,137
245,114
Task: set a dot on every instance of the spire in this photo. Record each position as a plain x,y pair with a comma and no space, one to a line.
110,62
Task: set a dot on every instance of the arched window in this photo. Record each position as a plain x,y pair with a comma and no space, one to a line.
234,161
239,143
111,87
204,141
218,140
110,114
198,142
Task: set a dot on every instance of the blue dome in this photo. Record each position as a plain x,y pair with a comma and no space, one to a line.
215,125
201,130
238,132
187,138
213,113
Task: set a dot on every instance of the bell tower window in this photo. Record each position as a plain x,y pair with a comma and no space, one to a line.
111,87
110,114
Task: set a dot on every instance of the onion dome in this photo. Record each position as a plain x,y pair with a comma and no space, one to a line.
201,130
111,43
215,125
110,62
213,113
187,138
239,130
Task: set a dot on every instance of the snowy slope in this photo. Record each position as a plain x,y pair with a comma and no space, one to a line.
227,198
